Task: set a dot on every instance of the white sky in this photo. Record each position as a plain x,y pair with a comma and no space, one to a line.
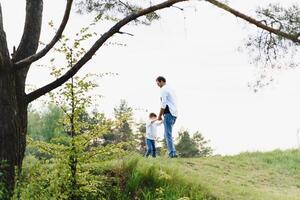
196,50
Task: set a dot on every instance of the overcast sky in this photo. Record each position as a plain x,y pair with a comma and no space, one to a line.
196,50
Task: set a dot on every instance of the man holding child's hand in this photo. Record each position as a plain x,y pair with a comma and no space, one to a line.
169,111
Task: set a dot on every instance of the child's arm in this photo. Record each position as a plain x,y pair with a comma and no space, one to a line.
150,122
153,121
160,122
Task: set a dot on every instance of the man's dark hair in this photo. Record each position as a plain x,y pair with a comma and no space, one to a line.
152,115
161,79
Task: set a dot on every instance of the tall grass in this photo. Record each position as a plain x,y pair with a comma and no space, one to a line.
258,176
248,176
146,178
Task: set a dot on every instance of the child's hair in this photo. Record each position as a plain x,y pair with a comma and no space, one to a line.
152,115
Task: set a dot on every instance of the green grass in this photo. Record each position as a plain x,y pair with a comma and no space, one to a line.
248,176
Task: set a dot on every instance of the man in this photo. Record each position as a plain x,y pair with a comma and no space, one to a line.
169,111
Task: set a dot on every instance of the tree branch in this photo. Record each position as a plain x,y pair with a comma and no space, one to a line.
113,30
257,23
4,53
127,6
1,20
48,47
32,29
178,8
121,32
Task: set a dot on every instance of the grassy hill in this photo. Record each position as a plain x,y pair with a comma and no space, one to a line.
248,176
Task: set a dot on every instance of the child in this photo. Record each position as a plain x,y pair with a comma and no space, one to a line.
151,134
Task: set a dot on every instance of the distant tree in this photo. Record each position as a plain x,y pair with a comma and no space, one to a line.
123,111
202,144
45,125
141,137
122,125
162,149
192,147
34,124
186,147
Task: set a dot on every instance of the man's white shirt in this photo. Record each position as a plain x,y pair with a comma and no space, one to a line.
168,97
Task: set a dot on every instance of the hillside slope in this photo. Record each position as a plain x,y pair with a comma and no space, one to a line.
248,176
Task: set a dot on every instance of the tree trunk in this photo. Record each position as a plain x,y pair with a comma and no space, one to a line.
13,122
13,116
13,101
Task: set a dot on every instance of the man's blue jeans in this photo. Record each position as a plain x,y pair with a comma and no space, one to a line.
169,121
150,148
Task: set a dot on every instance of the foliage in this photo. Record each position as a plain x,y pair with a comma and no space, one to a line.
141,137
201,144
108,173
3,190
72,154
192,147
141,179
74,97
50,178
271,175
47,171
46,124
123,124
73,157
270,52
124,121
114,10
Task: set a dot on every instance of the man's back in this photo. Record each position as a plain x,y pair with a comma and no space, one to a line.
168,100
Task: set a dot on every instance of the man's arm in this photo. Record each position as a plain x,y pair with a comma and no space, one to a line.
161,112
160,122
163,104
